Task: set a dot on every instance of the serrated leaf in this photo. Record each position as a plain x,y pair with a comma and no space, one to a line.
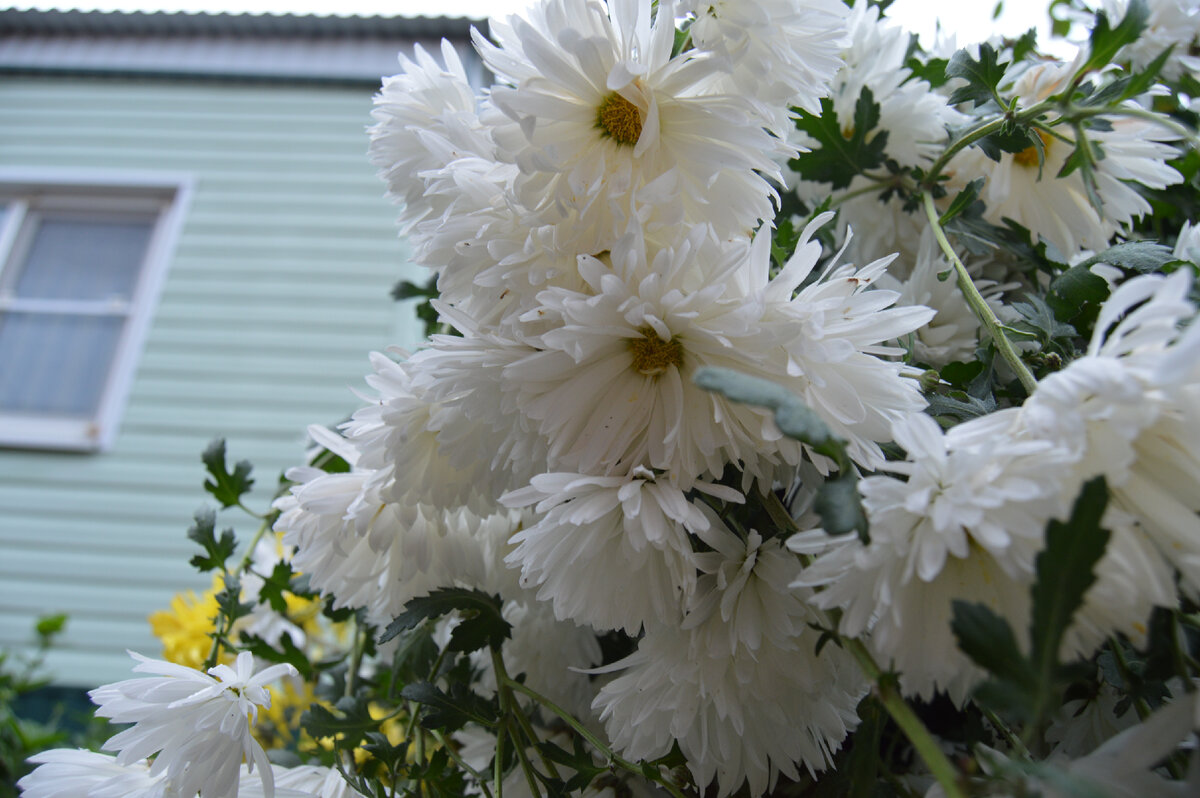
216,550
1136,257
963,200
1039,318
1106,40
1065,570
348,724
1076,295
982,75
959,374
840,507
960,405
482,624
227,488
229,599
450,711
843,153
274,585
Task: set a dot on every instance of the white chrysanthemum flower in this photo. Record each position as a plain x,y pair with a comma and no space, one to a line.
1171,23
196,725
740,715
597,108
914,116
426,119
76,773
303,781
780,52
369,553
835,331
1130,409
612,552
611,386
1025,188
1187,246
964,526
399,433
557,669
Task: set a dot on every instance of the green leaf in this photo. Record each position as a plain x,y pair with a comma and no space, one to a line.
348,725
932,71
285,651
451,710
982,75
840,507
794,418
963,200
989,641
842,154
960,405
274,585
1133,257
226,487
1040,320
1106,40
1065,570
229,599
1129,86
482,622
50,625
216,551
1076,295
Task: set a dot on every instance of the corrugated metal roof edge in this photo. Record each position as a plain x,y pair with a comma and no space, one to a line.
161,23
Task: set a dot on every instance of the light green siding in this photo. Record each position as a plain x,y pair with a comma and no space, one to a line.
277,291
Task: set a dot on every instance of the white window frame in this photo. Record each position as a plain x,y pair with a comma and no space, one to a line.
24,193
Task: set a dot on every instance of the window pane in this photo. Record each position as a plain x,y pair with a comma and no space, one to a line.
73,257
54,363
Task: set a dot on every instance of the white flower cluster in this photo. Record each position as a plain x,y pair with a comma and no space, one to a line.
601,227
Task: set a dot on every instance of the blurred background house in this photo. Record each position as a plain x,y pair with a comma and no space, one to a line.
192,245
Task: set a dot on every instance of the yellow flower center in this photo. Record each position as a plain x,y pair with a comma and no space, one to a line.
652,355
619,119
1028,157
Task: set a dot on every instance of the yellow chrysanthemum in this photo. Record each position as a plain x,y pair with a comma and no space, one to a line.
185,627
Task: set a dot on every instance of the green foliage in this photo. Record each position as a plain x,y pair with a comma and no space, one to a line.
845,150
482,623
216,550
227,487
1106,40
424,309
451,710
1026,687
982,75
837,500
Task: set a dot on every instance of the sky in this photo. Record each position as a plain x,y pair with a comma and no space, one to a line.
969,20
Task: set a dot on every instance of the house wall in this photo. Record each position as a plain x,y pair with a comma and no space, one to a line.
277,291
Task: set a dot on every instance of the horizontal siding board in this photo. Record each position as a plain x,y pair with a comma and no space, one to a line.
278,290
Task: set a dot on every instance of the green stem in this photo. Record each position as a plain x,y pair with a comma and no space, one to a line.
612,757
983,130
927,748
1163,121
224,627
480,779
1008,734
977,303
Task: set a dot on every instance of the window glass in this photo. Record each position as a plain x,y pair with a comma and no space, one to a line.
55,364
74,257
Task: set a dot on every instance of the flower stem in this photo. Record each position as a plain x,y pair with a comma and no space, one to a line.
612,757
977,303
927,748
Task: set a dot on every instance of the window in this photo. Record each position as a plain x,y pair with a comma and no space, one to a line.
81,265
